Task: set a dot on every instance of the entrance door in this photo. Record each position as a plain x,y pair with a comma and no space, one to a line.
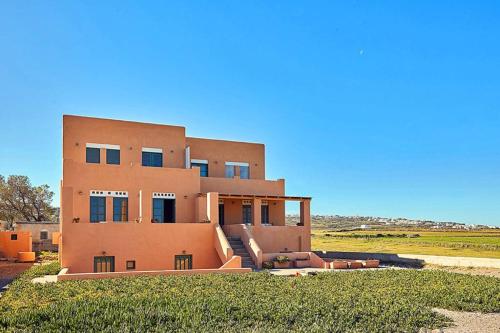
184,261
221,214
247,214
104,264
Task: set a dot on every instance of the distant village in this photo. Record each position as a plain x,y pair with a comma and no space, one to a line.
369,222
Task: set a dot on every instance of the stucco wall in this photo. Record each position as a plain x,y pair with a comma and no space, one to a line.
217,152
10,248
153,246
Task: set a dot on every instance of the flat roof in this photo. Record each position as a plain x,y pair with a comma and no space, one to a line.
269,197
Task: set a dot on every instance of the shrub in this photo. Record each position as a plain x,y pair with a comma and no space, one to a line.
282,259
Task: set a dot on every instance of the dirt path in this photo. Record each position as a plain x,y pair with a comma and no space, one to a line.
9,271
471,322
495,272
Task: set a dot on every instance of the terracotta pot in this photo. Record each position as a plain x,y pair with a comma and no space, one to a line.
338,264
355,264
302,263
280,265
372,263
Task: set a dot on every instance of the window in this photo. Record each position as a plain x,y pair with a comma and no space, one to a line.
184,261
130,264
264,210
13,237
229,171
244,172
152,157
163,210
120,209
104,264
247,214
44,235
93,155
221,214
203,168
113,156
97,209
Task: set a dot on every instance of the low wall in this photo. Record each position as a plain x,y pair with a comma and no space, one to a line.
9,248
64,276
414,260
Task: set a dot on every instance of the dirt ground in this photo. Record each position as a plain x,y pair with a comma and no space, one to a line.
471,322
9,271
495,272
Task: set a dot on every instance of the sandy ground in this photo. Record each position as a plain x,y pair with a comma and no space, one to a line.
470,322
10,270
468,270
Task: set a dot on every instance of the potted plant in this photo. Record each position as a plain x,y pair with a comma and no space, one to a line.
267,265
281,262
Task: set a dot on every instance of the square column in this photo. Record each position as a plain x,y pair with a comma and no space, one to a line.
256,212
305,213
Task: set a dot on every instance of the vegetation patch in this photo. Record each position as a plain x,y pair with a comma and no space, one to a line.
365,301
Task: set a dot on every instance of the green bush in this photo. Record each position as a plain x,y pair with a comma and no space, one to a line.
362,301
282,259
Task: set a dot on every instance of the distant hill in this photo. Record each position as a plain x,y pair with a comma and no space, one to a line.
337,222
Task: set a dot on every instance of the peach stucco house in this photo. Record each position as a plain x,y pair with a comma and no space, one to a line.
144,197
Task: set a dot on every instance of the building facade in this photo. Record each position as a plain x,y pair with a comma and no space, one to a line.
41,233
145,197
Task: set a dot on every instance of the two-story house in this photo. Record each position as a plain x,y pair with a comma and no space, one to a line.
144,197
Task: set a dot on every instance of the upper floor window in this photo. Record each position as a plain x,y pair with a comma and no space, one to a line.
244,172
152,157
97,209
203,165
120,209
244,169
112,156
93,155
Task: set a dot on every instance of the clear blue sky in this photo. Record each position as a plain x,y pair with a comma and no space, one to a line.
370,107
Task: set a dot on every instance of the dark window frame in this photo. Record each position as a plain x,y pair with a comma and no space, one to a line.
159,205
152,159
111,158
203,168
90,156
132,266
182,259
118,215
95,217
245,215
100,260
264,214
44,232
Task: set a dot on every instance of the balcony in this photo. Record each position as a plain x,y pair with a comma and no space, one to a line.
242,186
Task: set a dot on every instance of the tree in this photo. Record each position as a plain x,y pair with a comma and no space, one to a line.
19,200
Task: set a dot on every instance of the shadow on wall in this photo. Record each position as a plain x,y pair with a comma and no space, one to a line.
385,258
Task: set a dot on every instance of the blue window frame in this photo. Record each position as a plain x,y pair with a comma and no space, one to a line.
247,214
120,209
152,159
93,155
97,209
203,168
244,172
163,210
113,156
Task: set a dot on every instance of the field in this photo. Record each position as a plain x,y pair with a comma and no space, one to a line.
363,301
484,244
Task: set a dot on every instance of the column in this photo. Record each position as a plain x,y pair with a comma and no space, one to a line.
256,212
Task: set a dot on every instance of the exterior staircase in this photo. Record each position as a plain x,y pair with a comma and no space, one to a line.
240,250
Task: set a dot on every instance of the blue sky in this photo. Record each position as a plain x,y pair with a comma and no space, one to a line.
370,107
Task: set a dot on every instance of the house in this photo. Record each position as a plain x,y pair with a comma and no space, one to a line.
41,232
145,197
